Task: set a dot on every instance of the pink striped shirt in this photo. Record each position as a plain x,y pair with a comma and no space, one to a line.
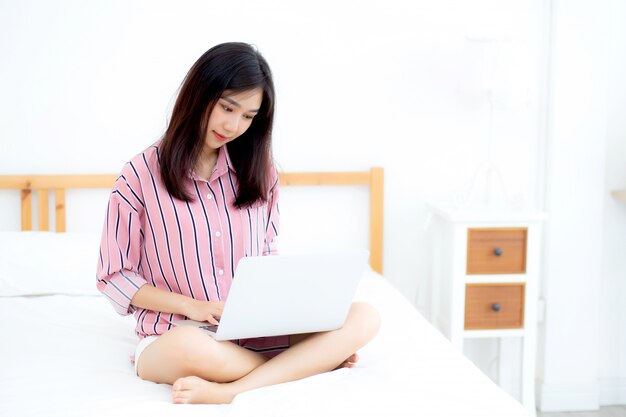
190,248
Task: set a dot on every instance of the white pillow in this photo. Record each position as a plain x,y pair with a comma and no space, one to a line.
41,263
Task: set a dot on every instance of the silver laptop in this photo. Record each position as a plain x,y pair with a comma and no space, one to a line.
288,294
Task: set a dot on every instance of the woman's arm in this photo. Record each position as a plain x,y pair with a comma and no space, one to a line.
118,275
152,298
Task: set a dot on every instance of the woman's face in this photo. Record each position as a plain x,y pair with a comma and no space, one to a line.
232,116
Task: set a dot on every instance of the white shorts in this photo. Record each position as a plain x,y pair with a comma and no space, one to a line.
141,346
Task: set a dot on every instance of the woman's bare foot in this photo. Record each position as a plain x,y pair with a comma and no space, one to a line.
195,390
350,362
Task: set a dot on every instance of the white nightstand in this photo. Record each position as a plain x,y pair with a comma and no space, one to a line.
485,277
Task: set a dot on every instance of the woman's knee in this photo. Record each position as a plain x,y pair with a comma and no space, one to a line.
182,351
365,319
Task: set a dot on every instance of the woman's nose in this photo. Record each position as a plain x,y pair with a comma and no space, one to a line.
231,124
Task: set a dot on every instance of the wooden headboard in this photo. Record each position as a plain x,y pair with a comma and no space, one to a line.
44,185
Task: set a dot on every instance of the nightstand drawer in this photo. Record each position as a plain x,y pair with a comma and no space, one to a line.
494,306
496,251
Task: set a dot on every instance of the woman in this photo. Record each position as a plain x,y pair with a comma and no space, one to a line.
181,215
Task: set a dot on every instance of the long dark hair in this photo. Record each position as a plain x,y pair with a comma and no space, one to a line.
235,67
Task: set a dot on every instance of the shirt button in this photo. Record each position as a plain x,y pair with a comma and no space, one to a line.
218,234
220,272
209,196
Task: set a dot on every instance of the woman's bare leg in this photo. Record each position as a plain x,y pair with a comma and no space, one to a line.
317,353
187,350
349,362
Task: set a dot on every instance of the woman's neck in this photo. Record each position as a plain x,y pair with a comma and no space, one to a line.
206,163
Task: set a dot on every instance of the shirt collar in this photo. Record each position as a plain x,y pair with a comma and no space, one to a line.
222,165
223,160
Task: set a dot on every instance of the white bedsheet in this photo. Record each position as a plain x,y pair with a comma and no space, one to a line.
69,356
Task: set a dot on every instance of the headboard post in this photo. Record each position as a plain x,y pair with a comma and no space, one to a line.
42,209
59,209
377,192
27,208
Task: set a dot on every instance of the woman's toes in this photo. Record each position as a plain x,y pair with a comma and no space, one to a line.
194,390
178,384
180,400
182,390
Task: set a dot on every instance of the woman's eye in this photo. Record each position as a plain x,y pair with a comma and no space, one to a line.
245,116
226,108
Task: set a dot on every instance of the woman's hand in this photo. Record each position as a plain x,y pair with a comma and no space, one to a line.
209,311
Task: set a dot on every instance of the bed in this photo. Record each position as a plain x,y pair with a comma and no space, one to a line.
65,352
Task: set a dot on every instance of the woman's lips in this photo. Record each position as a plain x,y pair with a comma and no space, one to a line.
220,137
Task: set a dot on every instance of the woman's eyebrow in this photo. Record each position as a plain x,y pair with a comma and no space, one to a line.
234,103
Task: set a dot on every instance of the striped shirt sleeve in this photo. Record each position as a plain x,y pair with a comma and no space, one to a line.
118,276
273,217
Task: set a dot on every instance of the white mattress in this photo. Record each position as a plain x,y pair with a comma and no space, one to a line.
66,355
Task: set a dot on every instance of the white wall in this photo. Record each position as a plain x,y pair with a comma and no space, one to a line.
575,194
612,364
582,347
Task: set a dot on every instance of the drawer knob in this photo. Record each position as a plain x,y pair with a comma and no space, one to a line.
497,252
495,307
